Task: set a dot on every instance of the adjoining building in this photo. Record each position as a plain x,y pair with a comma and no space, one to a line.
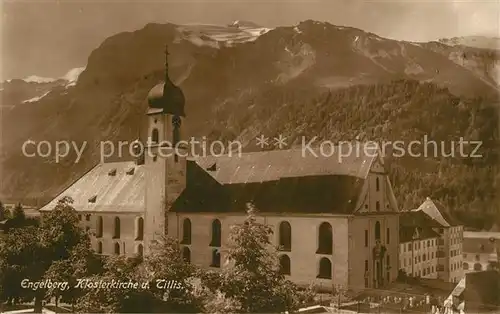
449,252
418,244
480,251
335,222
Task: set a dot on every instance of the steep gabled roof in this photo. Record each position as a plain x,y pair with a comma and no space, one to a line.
107,187
438,212
278,164
275,181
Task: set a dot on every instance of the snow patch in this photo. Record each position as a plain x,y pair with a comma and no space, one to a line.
72,76
34,99
356,38
297,30
38,79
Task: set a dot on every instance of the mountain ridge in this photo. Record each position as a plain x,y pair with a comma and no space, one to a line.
234,91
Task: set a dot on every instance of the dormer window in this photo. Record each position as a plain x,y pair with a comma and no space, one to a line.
112,172
131,171
213,167
93,199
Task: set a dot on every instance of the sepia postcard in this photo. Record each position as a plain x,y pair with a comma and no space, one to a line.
248,156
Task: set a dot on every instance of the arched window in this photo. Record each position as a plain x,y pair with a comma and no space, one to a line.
186,254
117,248
478,267
116,231
155,137
285,236
140,250
215,258
465,266
377,206
139,228
377,231
99,247
186,231
216,234
99,227
325,268
285,264
325,239
377,183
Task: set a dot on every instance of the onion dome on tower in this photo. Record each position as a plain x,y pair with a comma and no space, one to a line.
166,96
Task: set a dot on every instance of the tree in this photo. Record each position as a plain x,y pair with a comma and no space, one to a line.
254,279
18,213
37,252
104,299
165,262
3,212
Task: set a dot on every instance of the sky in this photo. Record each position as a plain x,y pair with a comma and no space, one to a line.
50,37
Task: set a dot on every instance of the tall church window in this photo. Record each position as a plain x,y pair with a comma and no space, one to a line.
377,231
186,231
285,236
388,236
186,254
116,228
215,258
99,247
325,239
377,183
155,136
216,233
325,268
99,227
139,228
285,264
117,249
140,250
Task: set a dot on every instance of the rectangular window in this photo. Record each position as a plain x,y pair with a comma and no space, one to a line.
366,238
366,265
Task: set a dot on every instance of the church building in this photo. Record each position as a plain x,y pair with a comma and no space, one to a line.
335,221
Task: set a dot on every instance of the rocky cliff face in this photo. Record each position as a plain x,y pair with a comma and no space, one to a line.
235,80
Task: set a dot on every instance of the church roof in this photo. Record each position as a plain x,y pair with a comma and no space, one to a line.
113,187
274,181
278,164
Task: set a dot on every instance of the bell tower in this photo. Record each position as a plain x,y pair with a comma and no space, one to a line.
165,158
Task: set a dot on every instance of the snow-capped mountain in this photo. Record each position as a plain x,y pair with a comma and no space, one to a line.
473,41
236,80
38,79
34,88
